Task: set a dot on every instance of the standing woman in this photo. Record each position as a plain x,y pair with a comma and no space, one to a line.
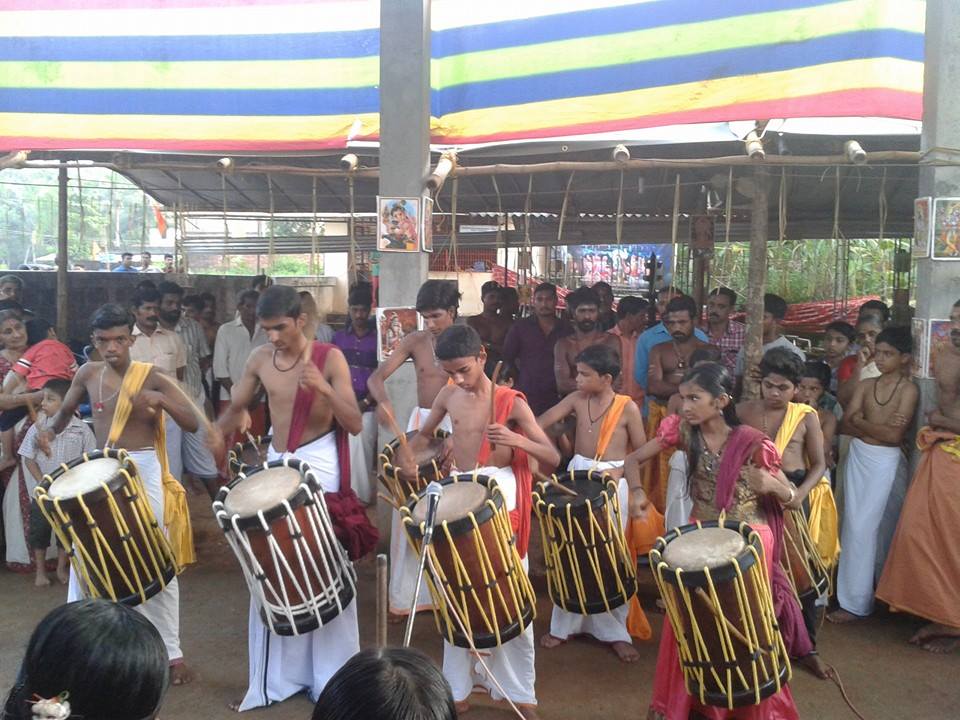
736,470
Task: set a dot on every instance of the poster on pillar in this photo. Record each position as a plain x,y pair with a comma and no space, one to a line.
938,340
946,229
922,227
426,229
398,224
921,347
393,325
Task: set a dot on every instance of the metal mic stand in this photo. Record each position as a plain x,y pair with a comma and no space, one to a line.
433,493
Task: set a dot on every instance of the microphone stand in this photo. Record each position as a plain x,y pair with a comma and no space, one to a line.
434,491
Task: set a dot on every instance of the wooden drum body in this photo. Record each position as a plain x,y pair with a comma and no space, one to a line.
276,521
714,582
100,512
402,488
476,572
800,558
244,457
589,568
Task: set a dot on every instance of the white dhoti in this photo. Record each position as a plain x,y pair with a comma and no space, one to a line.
281,665
363,448
679,503
609,626
404,562
163,609
870,475
512,664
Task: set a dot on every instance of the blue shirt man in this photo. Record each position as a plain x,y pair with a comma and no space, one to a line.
126,264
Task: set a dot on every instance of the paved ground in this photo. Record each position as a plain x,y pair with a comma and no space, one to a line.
885,677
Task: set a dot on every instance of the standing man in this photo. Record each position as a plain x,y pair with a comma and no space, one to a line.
728,335
126,263
529,347
774,311
145,259
606,318
282,666
358,343
584,307
235,341
631,321
168,266
11,288
152,343
194,456
108,384
437,303
491,325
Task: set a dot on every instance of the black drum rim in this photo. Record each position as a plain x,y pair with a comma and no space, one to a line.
485,641
722,573
302,496
743,697
308,621
581,507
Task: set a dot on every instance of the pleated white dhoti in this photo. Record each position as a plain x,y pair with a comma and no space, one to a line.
363,449
282,665
679,503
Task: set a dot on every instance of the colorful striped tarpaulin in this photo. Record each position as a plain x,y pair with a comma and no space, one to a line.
274,75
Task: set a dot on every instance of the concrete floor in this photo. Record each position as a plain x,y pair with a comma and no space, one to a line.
885,677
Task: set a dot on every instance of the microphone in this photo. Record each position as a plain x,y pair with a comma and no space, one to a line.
434,491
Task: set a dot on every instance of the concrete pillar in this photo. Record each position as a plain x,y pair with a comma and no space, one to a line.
938,282
404,154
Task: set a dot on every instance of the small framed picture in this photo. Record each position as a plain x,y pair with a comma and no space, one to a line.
393,325
937,340
922,227
918,329
426,232
398,224
946,229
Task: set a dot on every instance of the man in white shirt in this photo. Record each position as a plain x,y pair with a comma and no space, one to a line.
235,340
774,311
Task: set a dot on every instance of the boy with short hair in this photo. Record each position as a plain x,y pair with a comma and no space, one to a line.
499,450
877,418
837,344
76,439
812,391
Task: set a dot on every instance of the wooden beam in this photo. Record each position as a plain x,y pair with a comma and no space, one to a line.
62,257
756,282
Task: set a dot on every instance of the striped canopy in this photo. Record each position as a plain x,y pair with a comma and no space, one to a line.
277,75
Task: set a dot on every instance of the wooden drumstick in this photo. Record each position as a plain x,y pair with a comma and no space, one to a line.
493,395
553,483
256,446
702,594
394,428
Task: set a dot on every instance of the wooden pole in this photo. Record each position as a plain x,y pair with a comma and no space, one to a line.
382,587
756,282
62,258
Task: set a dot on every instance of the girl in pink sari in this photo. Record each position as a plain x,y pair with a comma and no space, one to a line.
736,469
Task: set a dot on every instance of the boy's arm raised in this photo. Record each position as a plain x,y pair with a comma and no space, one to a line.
376,383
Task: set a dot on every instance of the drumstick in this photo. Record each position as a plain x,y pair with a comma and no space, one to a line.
394,428
256,446
381,600
493,396
701,593
553,483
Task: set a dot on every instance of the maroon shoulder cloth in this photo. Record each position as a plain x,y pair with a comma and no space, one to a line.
350,522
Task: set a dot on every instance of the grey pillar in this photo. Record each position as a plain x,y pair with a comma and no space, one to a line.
938,282
404,154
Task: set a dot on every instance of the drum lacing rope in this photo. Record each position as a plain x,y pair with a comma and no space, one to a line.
835,676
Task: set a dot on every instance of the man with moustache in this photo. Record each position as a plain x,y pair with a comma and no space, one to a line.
584,307
728,335
490,324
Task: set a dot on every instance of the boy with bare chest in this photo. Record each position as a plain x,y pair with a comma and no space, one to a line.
608,427
498,448
877,418
108,383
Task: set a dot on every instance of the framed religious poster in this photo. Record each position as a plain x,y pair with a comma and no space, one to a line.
922,227
398,224
393,325
946,229
426,231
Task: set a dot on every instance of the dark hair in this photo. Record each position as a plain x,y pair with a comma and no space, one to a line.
58,386
458,341
957,303
546,287
247,295
11,305
775,305
682,303
508,371
209,298
898,338
170,288
715,379
126,255
602,283
631,305
842,328
145,285
875,305
361,294
438,295
109,658
488,287
13,280
582,296
870,319
146,252
10,314
37,330
144,295
783,362
727,293
193,301
279,301
705,353
602,359
111,316
260,280
818,370
386,684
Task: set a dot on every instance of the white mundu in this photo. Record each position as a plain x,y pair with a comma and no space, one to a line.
280,665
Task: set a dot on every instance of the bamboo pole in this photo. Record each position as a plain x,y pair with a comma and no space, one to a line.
62,258
756,282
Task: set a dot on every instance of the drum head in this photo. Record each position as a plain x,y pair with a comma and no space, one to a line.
83,478
262,490
458,499
706,547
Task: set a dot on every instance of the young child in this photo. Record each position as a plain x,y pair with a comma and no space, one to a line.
501,453
75,440
608,426
837,344
877,418
812,391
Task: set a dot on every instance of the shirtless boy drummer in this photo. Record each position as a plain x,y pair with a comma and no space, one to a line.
112,336
281,666
467,403
608,427
437,303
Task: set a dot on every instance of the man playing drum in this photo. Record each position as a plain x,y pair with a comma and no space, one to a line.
437,303
104,382
608,426
500,453
281,666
